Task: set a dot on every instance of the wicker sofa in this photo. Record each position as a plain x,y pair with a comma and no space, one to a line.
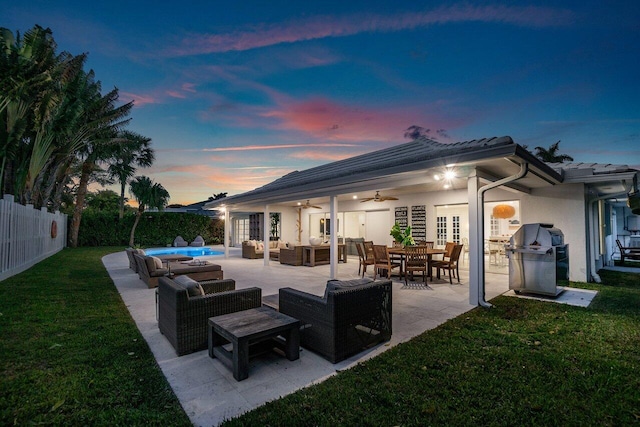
351,317
182,318
150,272
254,249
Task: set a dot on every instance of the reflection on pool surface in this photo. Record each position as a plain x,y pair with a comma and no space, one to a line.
189,251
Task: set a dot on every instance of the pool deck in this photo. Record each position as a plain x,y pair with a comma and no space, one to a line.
206,388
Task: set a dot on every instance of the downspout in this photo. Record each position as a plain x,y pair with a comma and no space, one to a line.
524,169
597,237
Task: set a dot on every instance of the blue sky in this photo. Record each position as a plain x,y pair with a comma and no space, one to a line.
236,94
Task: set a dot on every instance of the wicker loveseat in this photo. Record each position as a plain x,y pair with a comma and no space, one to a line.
351,317
182,318
254,249
149,271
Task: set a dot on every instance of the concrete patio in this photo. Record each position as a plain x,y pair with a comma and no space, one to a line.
206,388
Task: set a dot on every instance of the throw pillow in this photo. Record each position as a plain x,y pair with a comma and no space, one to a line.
141,251
157,262
261,246
282,245
193,288
333,285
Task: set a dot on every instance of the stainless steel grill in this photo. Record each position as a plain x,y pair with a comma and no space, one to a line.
538,260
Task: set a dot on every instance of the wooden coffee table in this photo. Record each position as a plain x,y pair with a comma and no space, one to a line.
245,329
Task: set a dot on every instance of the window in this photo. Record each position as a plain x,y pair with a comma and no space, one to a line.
455,229
441,230
241,230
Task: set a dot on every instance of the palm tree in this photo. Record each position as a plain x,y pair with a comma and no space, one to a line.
551,155
103,121
147,194
134,150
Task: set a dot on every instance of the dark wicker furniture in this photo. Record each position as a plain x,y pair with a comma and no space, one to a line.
165,258
150,273
183,319
344,322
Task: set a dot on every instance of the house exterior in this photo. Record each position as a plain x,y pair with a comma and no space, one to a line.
447,192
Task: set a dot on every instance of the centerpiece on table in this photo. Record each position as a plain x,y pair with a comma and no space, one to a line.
402,237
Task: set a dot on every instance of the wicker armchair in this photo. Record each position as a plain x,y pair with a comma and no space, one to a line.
291,255
344,322
182,319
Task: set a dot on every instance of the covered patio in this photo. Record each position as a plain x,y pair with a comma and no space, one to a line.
206,388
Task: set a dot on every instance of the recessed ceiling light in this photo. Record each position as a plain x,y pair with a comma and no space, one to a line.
449,175
446,186
436,177
355,197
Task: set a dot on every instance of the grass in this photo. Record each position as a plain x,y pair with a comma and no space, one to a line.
523,362
72,355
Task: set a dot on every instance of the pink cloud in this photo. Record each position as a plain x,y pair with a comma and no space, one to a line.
175,94
328,26
321,155
328,120
276,147
138,99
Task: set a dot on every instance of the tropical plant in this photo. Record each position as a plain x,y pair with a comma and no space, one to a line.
133,150
402,237
57,129
551,155
147,194
102,201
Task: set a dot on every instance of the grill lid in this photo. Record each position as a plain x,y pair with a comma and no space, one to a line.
537,235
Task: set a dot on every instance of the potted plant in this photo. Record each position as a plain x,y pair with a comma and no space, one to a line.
402,237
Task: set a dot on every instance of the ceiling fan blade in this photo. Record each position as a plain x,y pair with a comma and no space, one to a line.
383,198
366,199
315,207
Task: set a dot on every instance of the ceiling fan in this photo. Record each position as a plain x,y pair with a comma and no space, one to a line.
307,206
378,198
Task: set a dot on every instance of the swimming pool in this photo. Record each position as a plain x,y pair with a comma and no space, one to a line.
188,251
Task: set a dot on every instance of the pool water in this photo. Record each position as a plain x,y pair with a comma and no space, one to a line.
188,251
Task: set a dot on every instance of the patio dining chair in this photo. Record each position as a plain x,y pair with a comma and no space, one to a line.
366,258
450,264
383,261
416,260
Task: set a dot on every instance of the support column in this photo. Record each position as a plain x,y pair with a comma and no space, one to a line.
333,217
227,232
476,244
266,233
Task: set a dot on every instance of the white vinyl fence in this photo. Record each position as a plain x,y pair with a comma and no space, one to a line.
27,236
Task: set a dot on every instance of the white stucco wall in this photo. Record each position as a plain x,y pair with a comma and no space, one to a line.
564,207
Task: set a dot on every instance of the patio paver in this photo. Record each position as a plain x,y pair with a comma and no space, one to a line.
206,388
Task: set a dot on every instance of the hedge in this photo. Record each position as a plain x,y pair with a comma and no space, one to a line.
154,229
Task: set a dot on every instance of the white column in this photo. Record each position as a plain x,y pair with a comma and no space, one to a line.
476,245
333,217
266,232
227,232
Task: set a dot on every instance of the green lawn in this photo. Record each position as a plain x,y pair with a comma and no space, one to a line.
72,355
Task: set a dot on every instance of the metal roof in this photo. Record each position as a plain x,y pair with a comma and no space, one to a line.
397,161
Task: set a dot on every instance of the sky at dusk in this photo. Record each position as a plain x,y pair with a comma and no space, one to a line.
237,94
